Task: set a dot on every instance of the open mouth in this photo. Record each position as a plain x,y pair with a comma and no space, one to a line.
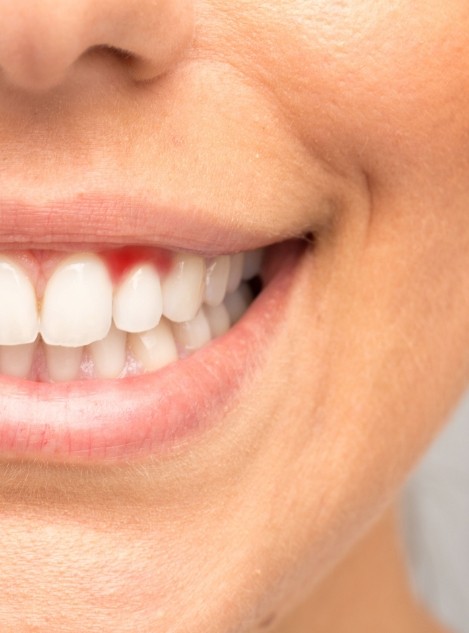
122,351
119,313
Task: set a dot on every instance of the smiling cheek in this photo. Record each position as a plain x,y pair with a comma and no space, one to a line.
379,86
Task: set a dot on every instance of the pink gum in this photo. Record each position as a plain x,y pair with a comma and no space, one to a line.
40,264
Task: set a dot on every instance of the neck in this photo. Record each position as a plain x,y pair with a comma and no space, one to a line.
368,592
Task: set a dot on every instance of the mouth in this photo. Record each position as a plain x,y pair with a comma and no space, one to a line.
119,344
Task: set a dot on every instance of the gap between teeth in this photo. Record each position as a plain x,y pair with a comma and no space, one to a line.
84,327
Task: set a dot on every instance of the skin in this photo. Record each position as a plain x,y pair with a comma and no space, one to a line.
348,119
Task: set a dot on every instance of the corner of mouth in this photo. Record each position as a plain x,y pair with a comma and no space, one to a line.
98,419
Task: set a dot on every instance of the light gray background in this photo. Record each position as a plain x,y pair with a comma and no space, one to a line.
436,524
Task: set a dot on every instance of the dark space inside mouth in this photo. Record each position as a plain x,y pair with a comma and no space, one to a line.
255,284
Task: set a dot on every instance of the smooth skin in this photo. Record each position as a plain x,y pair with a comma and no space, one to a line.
346,118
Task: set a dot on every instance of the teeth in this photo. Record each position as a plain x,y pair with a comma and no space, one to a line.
18,314
16,360
216,280
193,334
63,363
77,304
138,303
218,319
183,288
109,354
238,302
146,325
155,348
252,264
236,272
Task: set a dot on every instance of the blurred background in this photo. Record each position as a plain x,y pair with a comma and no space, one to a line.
435,521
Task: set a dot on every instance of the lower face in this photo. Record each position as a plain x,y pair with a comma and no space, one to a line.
248,462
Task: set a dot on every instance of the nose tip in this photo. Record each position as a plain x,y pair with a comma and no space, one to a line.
41,42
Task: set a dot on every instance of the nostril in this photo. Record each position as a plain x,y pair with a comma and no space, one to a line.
106,49
41,42
136,66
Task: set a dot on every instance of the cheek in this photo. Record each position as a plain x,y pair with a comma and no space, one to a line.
375,358
378,84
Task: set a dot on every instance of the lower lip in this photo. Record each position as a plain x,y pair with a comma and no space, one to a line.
144,415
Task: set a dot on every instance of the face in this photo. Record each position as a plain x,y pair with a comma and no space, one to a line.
346,122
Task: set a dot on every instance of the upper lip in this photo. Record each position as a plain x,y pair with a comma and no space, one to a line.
103,220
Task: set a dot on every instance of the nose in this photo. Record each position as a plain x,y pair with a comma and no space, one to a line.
43,41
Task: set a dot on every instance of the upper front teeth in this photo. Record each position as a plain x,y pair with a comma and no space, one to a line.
150,315
19,320
138,302
77,303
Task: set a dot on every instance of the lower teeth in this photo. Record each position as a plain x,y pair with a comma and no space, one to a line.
121,354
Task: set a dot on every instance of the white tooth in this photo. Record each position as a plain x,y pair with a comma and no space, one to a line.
218,319
77,303
155,348
252,263
183,288
193,334
63,363
236,272
216,280
138,303
16,360
238,302
18,313
109,354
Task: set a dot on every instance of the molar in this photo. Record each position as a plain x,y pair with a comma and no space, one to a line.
238,302
252,264
236,272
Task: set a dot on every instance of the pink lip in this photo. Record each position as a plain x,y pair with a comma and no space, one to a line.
139,416
97,221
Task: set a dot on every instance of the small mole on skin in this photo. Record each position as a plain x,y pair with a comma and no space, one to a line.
268,621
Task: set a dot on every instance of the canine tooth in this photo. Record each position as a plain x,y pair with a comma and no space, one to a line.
236,272
138,303
16,360
218,319
77,304
238,302
216,280
18,313
193,334
252,263
155,348
183,288
63,363
109,354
